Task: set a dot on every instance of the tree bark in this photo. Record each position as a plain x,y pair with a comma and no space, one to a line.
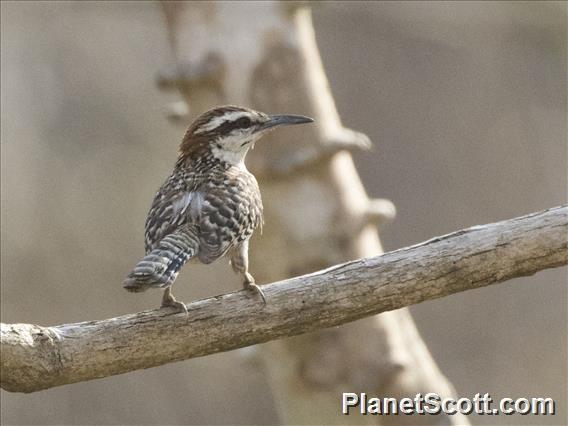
317,214
36,357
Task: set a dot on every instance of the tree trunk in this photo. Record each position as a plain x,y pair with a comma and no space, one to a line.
264,55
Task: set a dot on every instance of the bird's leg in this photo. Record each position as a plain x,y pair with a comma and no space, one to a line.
239,262
169,301
249,284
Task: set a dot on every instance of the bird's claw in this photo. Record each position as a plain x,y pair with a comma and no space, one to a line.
178,306
169,301
252,286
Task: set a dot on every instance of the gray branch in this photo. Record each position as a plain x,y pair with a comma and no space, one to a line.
36,358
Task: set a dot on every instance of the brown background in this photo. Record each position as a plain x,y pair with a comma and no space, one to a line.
465,103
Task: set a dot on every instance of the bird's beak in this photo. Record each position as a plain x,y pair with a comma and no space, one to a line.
285,120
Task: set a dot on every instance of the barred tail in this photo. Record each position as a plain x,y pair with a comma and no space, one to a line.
160,267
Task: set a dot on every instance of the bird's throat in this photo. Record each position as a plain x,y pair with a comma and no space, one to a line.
234,158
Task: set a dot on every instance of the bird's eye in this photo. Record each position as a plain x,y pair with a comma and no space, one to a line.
243,122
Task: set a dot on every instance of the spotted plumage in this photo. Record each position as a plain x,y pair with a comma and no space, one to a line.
210,205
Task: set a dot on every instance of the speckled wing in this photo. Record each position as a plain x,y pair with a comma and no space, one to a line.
171,209
229,214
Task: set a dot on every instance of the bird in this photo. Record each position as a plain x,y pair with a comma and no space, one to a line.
210,204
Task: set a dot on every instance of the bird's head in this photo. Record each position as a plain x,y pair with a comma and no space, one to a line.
228,132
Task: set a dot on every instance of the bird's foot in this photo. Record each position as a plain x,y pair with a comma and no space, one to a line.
250,285
169,301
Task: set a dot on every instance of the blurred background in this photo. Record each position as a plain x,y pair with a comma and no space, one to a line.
465,103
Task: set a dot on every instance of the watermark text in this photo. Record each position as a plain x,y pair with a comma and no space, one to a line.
432,403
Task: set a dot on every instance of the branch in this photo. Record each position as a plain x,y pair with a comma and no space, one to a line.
35,357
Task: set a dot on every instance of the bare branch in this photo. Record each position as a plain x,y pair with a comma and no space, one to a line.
35,357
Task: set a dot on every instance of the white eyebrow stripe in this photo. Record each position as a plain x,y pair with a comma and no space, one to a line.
217,121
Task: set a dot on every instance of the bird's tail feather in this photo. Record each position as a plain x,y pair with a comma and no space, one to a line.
160,267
